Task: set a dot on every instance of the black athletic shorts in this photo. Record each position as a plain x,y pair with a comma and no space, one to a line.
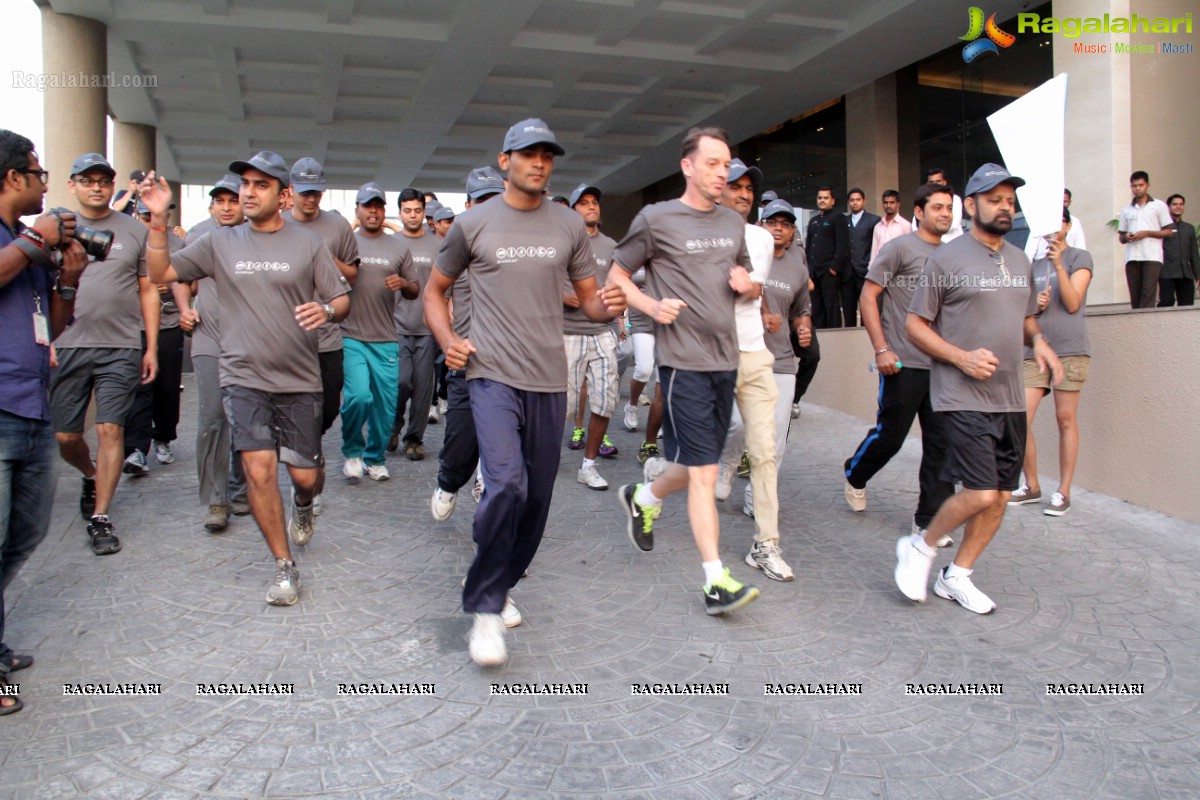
696,411
984,450
289,424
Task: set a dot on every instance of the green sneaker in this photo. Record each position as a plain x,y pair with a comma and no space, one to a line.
576,442
647,450
726,594
743,467
607,448
641,518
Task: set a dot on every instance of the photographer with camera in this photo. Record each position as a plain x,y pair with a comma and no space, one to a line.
40,267
101,352
126,200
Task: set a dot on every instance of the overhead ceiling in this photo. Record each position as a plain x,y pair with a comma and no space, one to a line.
418,93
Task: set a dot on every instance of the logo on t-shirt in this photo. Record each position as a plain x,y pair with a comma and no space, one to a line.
422,259
507,255
376,260
698,245
261,266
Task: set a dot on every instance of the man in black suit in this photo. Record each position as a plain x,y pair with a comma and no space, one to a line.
1181,262
827,247
861,225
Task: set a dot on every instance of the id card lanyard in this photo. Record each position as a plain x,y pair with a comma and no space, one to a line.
41,326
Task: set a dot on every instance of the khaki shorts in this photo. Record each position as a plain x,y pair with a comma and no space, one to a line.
1075,372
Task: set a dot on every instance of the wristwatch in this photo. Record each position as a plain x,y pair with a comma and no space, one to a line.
328,309
65,292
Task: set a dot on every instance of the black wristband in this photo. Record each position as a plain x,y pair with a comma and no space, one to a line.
37,254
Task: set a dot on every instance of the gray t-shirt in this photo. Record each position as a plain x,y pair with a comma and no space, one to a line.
639,322
688,255
460,295
575,322
785,292
261,278
976,300
108,307
409,315
169,314
370,317
206,336
1066,332
518,261
897,268
337,235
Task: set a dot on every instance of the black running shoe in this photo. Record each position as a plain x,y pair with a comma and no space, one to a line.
726,594
104,541
640,525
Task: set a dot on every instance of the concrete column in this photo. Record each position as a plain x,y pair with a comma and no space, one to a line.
872,143
75,118
176,213
133,148
1099,139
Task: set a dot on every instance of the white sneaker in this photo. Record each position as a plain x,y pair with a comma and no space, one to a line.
654,467
443,407
378,472
631,419
724,481
477,489
285,589
945,541
795,411
433,415
510,614
912,569
485,642
592,479
162,453
767,557
353,468
644,400
964,591
441,505
748,502
302,523
316,505
855,498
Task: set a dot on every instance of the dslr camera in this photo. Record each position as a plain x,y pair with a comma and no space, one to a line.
97,242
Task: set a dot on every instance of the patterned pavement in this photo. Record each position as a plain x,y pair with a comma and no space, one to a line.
1104,596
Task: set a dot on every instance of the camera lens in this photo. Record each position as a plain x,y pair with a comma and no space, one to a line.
97,242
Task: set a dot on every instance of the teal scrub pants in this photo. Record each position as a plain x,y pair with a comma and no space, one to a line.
368,398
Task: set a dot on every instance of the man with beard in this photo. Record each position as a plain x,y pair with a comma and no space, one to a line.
973,313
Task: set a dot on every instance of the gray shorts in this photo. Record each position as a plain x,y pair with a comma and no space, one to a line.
289,424
112,373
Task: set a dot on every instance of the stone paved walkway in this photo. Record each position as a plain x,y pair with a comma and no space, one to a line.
1108,594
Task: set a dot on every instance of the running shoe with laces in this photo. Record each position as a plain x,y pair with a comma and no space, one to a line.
163,454
653,468
378,472
510,614
443,407
743,467
961,589
477,489
285,589
136,465
485,642
353,468
1059,504
767,557
87,499
640,525
433,415
795,411
726,594
441,505
855,498
912,569
301,524
592,479
1024,496
103,541
607,448
316,505
647,450
631,418
576,442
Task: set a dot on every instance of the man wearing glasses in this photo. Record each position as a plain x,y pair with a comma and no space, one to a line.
101,350
973,313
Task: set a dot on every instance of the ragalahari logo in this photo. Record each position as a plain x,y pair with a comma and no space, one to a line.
996,38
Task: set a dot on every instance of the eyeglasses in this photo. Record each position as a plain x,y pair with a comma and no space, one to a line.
87,182
998,258
43,175
779,223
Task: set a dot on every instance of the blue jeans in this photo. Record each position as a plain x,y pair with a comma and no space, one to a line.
28,467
